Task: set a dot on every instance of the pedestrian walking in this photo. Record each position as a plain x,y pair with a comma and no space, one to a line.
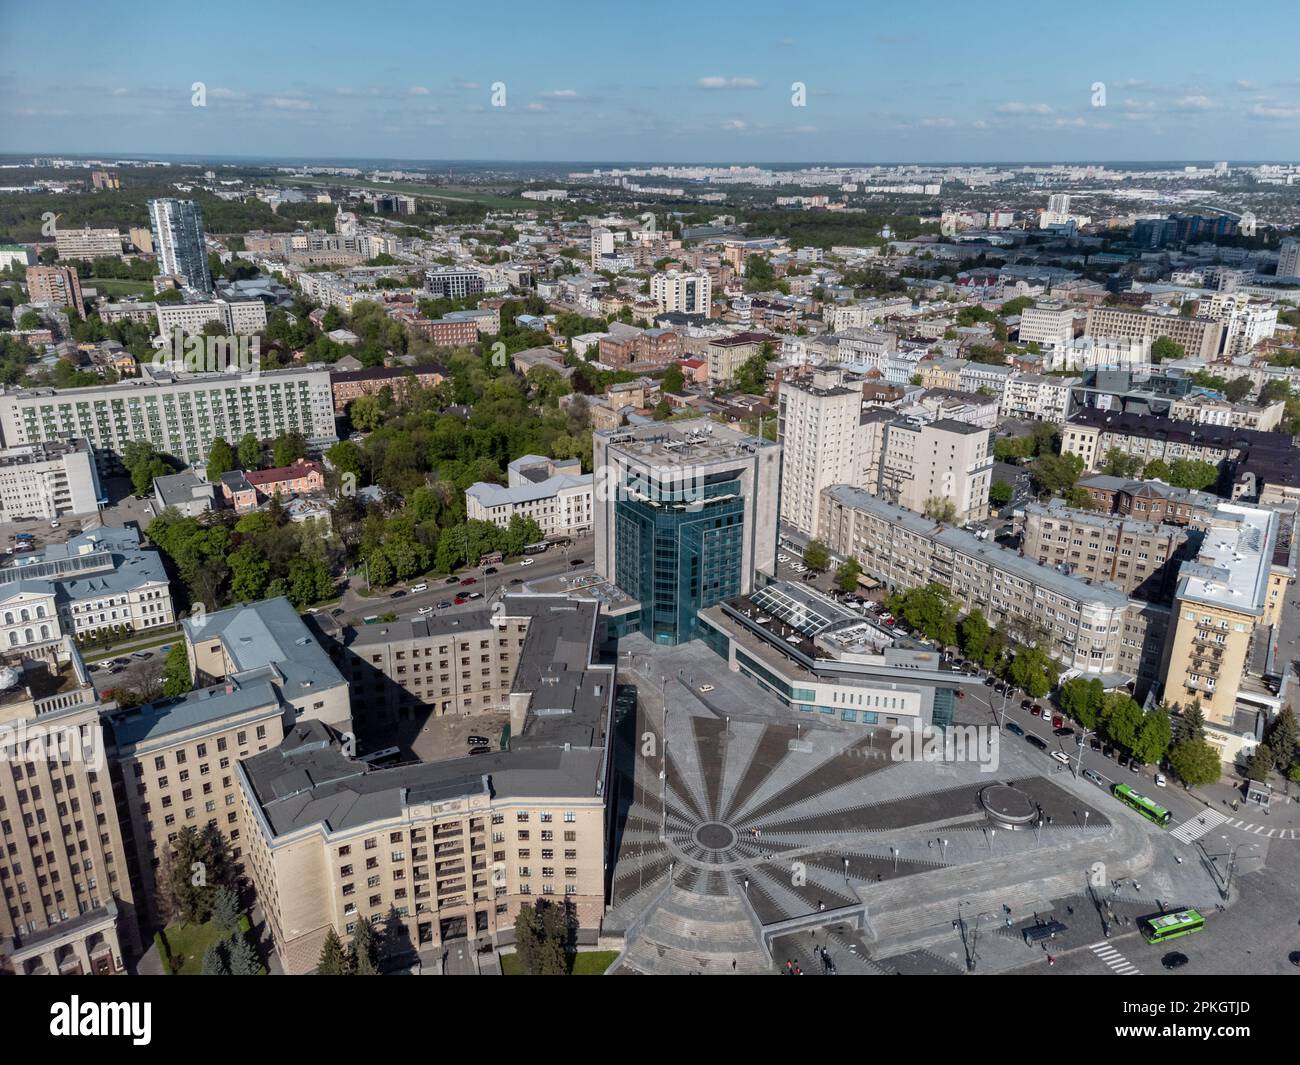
1051,960
733,965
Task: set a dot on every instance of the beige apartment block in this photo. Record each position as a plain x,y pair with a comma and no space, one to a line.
68,899
1201,338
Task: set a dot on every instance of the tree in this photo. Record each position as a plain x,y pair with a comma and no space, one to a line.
975,633
250,452
542,939
1000,493
1282,739
1122,717
363,955
289,447
1082,699
243,957
1056,473
674,380
1261,763
1274,391
1156,470
333,959
1166,348
226,910
215,962
1032,670
1120,463
221,458
1153,736
1238,389
846,577
751,377
1193,723
1195,762
1192,473
816,556
176,671
941,509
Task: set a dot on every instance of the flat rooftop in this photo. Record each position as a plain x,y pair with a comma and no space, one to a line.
683,443
1232,568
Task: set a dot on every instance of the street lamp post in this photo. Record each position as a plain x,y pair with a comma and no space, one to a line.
894,851
943,850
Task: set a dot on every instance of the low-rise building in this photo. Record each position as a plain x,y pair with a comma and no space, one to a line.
186,493
347,385
555,493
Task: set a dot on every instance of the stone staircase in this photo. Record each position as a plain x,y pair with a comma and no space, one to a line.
688,932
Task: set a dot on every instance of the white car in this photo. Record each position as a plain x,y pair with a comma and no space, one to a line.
1061,757
526,562
783,558
706,688
1160,781
419,588
426,610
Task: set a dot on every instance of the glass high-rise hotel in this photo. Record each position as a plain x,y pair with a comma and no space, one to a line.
686,515
178,241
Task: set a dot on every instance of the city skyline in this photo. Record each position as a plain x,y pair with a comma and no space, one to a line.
885,85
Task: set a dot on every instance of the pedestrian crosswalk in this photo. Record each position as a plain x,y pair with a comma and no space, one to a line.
1114,960
1196,827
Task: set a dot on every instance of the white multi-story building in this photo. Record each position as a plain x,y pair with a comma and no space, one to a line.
244,318
687,293
818,427
1048,325
555,493
87,243
1288,262
1039,396
984,377
179,413
48,480
602,244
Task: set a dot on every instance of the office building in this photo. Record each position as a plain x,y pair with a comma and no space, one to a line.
48,480
1288,261
68,899
1040,397
818,427
454,284
447,850
16,255
178,240
58,286
1048,324
687,293
555,493
925,465
1228,595
88,243
1201,338
179,413
241,318
602,244
686,516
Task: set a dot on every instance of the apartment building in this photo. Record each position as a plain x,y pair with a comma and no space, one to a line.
1049,325
555,493
1040,397
1092,628
726,355
179,413
68,900
1226,597
687,293
1288,262
453,283
1201,409
972,408
257,671
1149,501
49,480
347,385
58,286
179,242
1201,338
88,243
919,465
443,332
941,373
449,850
990,379
1261,466
1137,556
818,427
101,580
237,318
639,350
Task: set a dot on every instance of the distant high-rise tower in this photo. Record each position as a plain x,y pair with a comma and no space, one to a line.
1059,203
1288,263
178,241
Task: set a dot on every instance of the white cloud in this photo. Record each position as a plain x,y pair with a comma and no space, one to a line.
1015,107
536,107
1194,103
417,90
1275,114
290,103
736,124
560,94
717,81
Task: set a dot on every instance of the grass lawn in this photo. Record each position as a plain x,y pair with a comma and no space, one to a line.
586,963
114,286
188,942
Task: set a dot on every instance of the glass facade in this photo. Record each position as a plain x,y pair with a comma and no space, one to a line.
679,555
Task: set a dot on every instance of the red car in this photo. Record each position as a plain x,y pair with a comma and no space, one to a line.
1057,721
470,580
1035,710
460,600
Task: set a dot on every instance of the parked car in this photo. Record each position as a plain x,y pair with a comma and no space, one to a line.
426,610
706,688
1160,781
1035,710
1015,729
1028,704
1063,730
1136,766
1174,960
337,612
1057,721
469,580
480,750
576,561
1039,743
526,561
444,604
477,740
1094,776
419,588
1122,760
1061,757
142,654
516,580
453,579
1095,743
489,571
397,594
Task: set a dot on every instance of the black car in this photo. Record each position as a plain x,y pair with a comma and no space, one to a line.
576,561
444,604
1015,729
1064,730
452,580
1040,744
989,681
1174,960
337,612
516,580
489,571
397,594
1095,743
1123,760
477,739
1026,704
480,750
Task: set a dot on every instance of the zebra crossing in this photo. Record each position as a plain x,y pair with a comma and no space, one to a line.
1114,960
1198,826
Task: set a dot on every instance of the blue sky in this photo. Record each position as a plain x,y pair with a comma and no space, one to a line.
663,81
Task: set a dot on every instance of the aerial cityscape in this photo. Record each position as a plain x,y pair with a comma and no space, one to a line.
557,506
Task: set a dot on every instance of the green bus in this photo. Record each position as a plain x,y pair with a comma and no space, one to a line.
1152,811
1165,926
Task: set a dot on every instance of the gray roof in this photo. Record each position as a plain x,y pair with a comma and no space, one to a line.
497,495
104,561
140,724
268,639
